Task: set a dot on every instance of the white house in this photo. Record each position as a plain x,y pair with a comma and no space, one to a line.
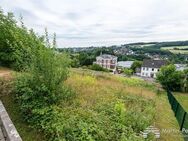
107,61
150,67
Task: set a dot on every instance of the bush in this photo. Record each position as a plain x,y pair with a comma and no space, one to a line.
98,68
128,72
41,88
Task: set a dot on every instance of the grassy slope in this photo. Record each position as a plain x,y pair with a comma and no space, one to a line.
164,117
171,49
183,99
26,133
85,84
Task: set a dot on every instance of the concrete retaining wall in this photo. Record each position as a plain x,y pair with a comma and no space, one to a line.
9,131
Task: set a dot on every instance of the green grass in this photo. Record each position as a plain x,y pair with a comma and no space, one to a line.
165,119
179,51
100,86
182,99
94,90
172,47
175,51
141,46
147,45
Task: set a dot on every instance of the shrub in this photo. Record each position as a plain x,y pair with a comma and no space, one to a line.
170,78
128,72
41,88
98,68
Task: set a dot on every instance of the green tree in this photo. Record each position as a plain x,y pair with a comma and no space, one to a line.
47,38
170,78
86,59
54,44
136,64
16,43
184,81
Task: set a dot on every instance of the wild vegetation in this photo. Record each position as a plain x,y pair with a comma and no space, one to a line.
172,79
182,99
39,88
77,105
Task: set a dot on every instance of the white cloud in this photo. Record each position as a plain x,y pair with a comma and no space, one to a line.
104,22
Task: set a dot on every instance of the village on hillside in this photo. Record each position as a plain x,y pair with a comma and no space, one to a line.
148,69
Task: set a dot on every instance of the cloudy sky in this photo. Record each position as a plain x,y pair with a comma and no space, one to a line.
104,22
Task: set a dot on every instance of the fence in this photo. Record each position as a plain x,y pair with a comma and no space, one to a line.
180,114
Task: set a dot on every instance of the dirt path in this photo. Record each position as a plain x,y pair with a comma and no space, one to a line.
5,73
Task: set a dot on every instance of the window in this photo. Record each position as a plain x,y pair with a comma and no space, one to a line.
158,69
147,69
146,74
152,69
143,73
143,68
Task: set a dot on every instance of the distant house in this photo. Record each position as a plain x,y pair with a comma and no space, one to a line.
107,61
138,72
125,64
181,67
150,67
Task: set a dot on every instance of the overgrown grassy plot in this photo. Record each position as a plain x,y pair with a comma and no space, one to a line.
182,99
97,88
99,107
104,109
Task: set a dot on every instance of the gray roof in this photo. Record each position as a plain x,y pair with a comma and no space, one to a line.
150,63
107,56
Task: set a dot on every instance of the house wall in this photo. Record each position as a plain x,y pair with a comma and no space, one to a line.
149,72
107,63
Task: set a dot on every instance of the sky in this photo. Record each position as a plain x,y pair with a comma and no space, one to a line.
82,23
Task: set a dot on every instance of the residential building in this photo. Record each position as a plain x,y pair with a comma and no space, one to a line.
150,67
181,67
125,64
107,61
